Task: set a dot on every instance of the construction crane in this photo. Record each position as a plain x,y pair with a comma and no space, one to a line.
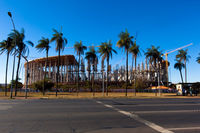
166,57
86,46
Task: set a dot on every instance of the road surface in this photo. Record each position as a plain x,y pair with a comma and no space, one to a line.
100,116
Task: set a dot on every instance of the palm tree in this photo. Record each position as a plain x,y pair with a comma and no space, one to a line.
154,56
179,66
106,51
125,42
135,51
198,59
60,45
43,45
22,49
183,56
8,47
91,57
79,48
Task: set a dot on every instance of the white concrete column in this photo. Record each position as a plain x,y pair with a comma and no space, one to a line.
25,74
64,74
30,74
49,69
55,71
67,73
40,72
61,72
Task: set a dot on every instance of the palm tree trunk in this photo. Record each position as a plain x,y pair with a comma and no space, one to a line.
89,79
107,76
93,80
58,73
13,71
45,75
17,74
132,69
78,75
89,75
181,75
185,72
135,74
8,53
155,68
126,72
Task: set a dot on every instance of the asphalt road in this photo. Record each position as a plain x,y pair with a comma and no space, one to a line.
100,116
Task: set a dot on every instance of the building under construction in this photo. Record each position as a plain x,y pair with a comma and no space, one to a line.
68,71
36,69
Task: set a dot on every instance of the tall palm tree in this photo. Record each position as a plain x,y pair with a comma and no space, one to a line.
60,45
106,51
43,45
8,47
79,48
183,56
22,49
198,59
153,54
179,66
135,51
91,57
125,42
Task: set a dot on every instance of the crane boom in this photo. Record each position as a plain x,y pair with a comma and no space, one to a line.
179,48
166,57
86,46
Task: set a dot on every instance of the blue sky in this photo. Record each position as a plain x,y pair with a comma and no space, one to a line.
169,24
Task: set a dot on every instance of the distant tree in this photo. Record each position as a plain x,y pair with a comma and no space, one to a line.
60,45
198,59
179,66
22,49
7,47
14,82
43,45
79,48
106,51
125,42
91,57
135,51
39,85
183,56
154,55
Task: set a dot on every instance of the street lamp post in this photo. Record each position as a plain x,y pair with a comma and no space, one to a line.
11,89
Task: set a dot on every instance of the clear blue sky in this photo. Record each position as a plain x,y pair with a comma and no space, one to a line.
169,24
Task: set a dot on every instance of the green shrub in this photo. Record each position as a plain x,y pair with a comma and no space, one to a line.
39,85
19,84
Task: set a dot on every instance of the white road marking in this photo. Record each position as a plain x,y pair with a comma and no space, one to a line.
184,128
99,102
109,106
166,111
137,118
